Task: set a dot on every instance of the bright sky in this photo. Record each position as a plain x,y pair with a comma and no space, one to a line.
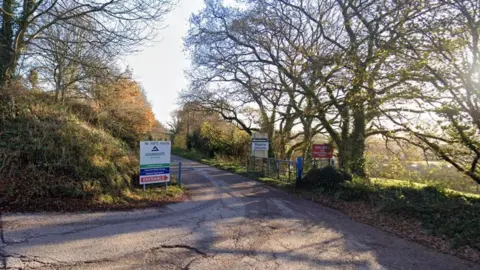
160,66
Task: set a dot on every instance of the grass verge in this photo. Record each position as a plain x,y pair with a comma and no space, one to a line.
443,219
131,198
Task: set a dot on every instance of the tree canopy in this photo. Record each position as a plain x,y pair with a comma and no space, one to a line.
404,70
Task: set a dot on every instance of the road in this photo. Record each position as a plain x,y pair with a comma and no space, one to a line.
230,222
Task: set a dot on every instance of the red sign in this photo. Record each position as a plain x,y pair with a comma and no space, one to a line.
149,179
322,151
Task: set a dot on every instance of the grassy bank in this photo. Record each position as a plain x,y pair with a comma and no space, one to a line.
53,157
440,218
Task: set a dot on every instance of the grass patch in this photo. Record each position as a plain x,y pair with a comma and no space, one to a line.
404,183
128,198
433,173
134,198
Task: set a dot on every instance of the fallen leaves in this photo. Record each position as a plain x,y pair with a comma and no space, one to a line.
402,226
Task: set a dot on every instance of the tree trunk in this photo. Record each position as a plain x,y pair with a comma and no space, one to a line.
357,141
344,146
7,55
282,145
344,156
268,127
307,141
271,150
63,95
57,95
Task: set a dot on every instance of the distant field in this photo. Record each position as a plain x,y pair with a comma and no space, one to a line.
399,183
437,173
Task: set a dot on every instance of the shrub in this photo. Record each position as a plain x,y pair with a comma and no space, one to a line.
328,177
357,189
219,141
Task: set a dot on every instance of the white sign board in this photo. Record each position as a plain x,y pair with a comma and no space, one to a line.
154,162
260,146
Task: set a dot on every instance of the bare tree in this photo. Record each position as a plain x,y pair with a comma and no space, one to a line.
67,62
443,57
333,59
229,76
122,23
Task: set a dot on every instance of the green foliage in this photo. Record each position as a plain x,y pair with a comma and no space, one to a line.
214,140
179,141
436,173
327,177
193,154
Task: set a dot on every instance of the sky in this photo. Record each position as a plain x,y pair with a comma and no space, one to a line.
160,66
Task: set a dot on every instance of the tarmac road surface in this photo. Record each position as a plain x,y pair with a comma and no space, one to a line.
229,222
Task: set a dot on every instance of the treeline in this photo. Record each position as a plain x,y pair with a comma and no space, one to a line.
195,129
71,117
406,71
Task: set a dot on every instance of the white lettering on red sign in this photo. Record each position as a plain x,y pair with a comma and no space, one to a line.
149,179
322,151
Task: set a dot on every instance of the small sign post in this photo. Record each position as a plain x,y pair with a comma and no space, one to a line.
322,151
299,170
260,144
155,162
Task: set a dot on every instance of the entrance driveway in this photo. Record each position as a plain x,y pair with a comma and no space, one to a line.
230,222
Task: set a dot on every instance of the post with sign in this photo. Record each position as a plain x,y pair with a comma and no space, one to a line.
322,151
260,147
155,162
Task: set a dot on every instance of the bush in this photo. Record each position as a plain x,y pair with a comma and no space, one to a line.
357,189
218,141
328,177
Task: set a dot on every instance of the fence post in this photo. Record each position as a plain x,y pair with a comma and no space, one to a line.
289,172
278,169
180,174
299,169
268,167
263,166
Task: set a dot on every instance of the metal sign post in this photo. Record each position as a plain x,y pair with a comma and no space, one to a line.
299,170
154,162
322,151
260,145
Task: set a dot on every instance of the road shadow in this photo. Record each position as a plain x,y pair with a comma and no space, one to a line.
229,215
